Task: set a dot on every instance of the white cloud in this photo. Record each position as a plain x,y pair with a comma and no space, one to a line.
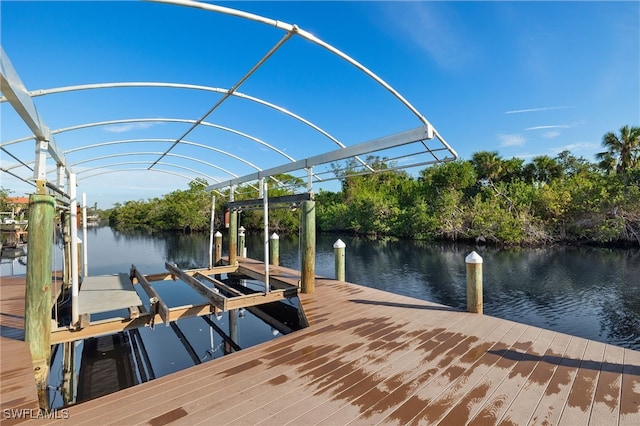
557,126
520,111
126,127
574,147
433,28
551,134
511,140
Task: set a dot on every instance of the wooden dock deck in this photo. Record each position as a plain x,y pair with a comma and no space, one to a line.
371,357
17,382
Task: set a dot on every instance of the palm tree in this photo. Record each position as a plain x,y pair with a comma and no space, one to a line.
623,152
489,165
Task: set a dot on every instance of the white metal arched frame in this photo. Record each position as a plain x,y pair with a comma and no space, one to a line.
155,120
56,90
124,163
293,29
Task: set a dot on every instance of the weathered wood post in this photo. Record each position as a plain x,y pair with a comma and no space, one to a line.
37,321
339,248
474,282
242,249
218,246
308,242
233,237
274,248
233,327
68,372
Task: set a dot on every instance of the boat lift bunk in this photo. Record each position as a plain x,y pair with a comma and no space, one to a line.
116,292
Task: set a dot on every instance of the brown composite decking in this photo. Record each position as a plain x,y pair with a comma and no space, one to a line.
17,383
371,357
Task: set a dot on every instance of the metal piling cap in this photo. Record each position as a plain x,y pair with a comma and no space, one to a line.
473,257
339,244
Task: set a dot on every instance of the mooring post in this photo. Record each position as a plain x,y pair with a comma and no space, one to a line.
274,248
233,327
242,249
308,242
37,321
474,282
339,248
233,237
218,244
68,373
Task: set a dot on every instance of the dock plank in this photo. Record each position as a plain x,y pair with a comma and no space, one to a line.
580,398
371,357
17,382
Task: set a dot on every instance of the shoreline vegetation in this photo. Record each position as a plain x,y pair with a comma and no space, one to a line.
487,199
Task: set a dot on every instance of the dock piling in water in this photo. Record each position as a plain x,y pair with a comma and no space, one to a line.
37,322
474,282
218,248
339,248
308,243
274,246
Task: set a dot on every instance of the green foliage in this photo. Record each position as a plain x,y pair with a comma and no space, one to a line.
4,202
488,198
550,199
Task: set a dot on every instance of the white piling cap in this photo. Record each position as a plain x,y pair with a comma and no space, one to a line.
274,236
339,244
217,234
473,258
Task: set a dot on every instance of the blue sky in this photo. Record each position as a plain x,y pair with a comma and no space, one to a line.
520,78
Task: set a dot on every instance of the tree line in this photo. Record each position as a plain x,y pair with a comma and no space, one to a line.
561,199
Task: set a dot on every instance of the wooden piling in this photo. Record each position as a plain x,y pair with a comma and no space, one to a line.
233,326
218,247
274,248
474,282
233,238
308,246
242,249
339,248
37,322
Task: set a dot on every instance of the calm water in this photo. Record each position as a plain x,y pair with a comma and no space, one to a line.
588,292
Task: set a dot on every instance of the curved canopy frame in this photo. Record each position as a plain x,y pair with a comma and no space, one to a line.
22,101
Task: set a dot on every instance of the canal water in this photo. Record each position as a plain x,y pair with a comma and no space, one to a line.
588,292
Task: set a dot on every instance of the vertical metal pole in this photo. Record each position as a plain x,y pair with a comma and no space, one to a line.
339,248
275,249
85,266
308,242
233,231
61,176
211,226
40,166
474,282
37,322
265,206
310,179
75,288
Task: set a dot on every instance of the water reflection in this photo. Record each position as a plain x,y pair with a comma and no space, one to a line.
584,291
589,292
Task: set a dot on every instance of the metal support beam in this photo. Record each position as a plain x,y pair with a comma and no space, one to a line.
265,198
20,100
73,226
